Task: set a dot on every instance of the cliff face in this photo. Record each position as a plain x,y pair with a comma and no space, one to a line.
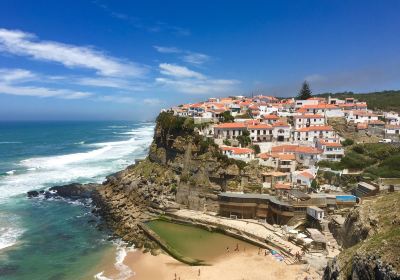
371,240
182,170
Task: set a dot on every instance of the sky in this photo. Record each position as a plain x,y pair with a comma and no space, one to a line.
125,60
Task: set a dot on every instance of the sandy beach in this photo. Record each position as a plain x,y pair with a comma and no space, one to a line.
233,265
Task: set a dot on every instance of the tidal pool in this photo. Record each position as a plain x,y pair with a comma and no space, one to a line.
195,242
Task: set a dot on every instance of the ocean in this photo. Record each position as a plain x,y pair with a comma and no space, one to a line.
58,239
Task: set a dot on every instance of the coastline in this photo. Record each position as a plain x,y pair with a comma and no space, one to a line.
240,265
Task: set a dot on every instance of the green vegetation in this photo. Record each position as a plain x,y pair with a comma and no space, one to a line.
305,91
374,159
256,148
347,142
246,115
227,142
314,185
385,242
388,100
227,117
244,139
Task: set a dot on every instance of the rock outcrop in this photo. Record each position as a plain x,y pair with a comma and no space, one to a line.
370,237
183,169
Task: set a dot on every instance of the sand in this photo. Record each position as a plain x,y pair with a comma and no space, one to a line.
231,266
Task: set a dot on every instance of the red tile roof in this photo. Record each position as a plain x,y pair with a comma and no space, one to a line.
309,116
231,125
237,151
316,128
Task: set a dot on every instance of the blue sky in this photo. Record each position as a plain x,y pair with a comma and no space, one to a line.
102,60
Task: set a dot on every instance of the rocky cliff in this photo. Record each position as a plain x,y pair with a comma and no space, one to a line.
183,169
370,237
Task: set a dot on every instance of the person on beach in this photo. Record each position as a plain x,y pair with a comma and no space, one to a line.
227,249
259,250
265,252
237,247
198,273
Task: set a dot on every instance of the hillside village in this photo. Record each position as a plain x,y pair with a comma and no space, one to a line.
296,142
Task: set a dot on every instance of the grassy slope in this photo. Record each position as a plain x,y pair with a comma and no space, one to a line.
386,241
374,159
384,100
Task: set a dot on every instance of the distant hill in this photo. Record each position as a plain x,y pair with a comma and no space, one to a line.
388,100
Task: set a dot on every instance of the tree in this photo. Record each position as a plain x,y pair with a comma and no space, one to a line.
244,139
256,148
227,117
305,91
314,185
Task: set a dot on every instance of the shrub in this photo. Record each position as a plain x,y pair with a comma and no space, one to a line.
256,148
347,142
227,142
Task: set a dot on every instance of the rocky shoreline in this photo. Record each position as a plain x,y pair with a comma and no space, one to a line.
185,171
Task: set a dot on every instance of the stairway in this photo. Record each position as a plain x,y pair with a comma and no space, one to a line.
331,244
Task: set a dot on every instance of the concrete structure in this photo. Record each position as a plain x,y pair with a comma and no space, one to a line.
365,189
315,212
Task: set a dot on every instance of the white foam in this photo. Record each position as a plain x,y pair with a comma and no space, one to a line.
91,166
124,271
10,142
11,172
9,230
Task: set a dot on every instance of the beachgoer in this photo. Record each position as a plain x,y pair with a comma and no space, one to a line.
265,252
199,272
227,249
237,247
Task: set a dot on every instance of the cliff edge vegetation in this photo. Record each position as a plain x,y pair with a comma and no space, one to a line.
370,237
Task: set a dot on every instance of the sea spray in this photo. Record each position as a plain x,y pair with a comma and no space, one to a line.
124,271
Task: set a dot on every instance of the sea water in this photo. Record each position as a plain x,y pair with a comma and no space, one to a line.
58,239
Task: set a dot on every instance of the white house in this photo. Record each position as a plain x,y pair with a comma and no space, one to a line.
229,130
260,132
306,120
358,116
303,178
331,148
301,103
281,131
328,110
312,132
392,129
392,118
244,154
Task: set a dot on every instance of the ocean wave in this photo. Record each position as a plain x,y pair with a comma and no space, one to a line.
92,166
124,271
10,232
117,126
11,172
80,143
10,142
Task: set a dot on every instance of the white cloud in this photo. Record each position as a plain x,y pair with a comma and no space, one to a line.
25,44
152,101
179,71
112,83
162,49
116,99
42,92
14,82
10,75
205,86
196,58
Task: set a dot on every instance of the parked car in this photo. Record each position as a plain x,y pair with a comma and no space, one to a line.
385,141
